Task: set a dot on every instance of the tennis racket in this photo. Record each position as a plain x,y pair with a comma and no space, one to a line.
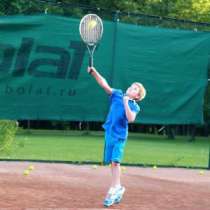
91,31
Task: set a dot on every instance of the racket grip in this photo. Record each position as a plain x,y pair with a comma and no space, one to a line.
90,61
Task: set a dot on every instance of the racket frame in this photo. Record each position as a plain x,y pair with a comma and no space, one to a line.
91,46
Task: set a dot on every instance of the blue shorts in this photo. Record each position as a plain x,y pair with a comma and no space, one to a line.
113,149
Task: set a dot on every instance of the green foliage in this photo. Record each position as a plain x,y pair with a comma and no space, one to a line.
196,10
8,130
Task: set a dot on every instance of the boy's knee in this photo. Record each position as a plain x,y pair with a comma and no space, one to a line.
115,163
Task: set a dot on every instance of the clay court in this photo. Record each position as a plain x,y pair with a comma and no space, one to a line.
63,186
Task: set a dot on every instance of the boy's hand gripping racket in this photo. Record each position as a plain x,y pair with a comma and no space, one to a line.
91,30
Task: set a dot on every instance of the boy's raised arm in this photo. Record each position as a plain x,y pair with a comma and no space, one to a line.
130,115
100,80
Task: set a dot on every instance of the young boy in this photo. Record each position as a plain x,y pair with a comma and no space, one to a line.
123,109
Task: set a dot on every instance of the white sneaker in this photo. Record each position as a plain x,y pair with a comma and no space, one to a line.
111,197
119,194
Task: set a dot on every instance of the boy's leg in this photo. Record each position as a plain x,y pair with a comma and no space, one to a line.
116,174
117,156
108,151
116,184
113,153
111,194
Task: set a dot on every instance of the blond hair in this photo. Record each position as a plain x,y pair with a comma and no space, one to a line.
142,91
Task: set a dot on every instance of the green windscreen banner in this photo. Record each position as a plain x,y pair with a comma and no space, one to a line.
43,72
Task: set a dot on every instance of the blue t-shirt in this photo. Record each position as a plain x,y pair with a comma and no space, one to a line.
116,123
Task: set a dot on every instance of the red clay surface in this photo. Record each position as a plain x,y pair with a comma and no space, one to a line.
69,187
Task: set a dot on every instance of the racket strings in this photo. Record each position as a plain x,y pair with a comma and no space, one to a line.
91,29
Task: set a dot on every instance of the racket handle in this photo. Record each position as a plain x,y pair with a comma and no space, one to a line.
90,61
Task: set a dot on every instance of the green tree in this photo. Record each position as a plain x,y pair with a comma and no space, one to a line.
196,10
